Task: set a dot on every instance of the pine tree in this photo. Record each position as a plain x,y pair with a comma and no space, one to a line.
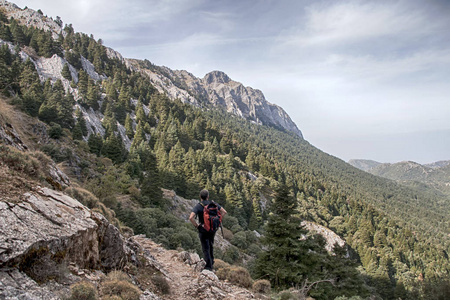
77,133
114,149
95,143
139,136
81,121
283,264
92,95
65,112
66,72
129,127
83,82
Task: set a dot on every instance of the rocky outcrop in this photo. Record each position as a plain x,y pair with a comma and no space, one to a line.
9,136
30,17
48,232
49,223
218,90
245,102
330,237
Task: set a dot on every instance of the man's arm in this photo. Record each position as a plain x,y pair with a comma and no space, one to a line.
223,212
192,219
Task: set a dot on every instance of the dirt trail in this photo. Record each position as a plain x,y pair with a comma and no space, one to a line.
186,283
181,275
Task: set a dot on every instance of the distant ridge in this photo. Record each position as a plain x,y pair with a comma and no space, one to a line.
434,175
364,164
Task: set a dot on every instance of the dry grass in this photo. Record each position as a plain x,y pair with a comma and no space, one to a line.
22,123
261,286
236,275
121,288
220,264
83,291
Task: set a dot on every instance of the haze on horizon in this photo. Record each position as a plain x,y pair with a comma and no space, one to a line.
361,79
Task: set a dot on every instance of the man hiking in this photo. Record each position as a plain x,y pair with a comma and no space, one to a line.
207,228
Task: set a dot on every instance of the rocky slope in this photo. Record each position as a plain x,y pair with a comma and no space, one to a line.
216,89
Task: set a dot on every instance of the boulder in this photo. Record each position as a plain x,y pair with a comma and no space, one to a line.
49,230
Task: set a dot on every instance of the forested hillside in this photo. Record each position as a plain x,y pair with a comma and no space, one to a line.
398,238
432,178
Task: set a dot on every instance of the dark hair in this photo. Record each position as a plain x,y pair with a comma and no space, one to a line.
204,194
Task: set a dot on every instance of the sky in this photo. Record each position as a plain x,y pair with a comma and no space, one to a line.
361,79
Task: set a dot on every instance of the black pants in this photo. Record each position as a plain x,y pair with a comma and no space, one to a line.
207,240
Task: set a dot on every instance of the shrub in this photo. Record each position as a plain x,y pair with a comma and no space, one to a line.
21,162
240,276
231,255
161,284
261,286
228,235
83,291
286,295
222,273
121,288
240,240
236,275
220,264
82,195
118,276
55,131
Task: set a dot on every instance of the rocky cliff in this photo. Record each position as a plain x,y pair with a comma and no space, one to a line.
216,89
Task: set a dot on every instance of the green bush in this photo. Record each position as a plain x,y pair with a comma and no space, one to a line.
55,131
231,255
82,195
240,240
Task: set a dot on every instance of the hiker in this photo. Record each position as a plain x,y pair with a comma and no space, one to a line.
206,232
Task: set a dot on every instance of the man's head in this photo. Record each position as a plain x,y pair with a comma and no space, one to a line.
204,195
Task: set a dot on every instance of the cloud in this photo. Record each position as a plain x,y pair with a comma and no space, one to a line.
381,29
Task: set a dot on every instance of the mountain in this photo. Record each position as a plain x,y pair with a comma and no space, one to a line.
364,164
435,175
216,89
123,141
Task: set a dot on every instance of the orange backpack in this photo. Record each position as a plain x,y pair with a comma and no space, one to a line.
212,217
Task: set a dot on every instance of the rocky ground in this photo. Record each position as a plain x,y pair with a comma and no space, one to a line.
186,281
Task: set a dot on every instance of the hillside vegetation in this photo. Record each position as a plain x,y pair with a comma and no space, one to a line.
398,238
433,178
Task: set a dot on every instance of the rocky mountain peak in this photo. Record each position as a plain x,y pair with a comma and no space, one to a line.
216,77
219,90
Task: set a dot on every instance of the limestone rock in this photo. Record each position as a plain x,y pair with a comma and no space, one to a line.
218,90
31,17
49,223
147,295
329,235
17,285
193,260
9,136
